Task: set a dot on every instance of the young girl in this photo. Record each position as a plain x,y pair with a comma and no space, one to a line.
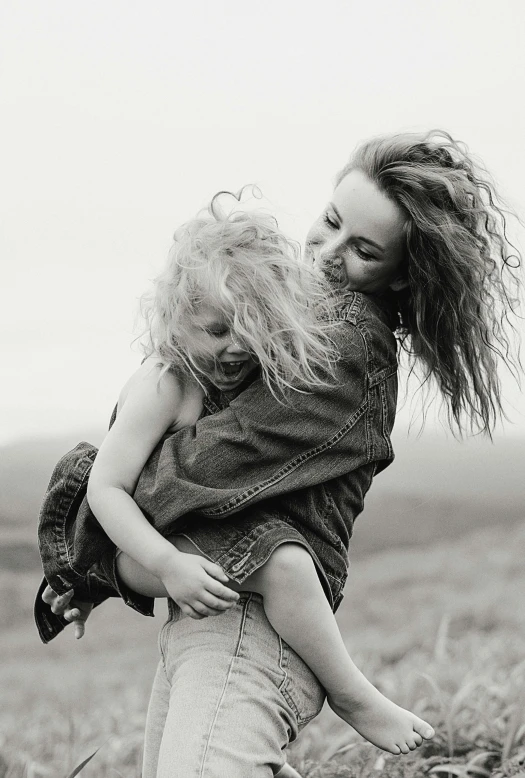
234,299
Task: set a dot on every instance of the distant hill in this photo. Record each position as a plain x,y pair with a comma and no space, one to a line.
436,488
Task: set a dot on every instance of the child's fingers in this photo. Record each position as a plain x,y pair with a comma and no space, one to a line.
214,612
205,610
216,588
191,612
215,603
80,628
215,571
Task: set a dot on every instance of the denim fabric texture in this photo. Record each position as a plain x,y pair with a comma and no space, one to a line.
228,697
248,477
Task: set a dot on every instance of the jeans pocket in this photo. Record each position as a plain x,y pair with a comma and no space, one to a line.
300,687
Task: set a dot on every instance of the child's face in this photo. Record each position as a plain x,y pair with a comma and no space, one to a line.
224,362
358,242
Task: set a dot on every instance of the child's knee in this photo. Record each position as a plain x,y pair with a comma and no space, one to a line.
290,562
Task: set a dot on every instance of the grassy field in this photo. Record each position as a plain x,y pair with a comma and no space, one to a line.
439,629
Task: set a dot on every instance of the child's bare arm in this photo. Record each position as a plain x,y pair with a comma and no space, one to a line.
150,408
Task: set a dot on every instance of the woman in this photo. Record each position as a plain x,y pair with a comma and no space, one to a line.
415,237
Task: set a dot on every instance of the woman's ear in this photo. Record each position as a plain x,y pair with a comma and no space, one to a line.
399,284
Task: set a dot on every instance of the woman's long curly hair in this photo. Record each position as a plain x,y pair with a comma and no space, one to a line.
252,274
456,312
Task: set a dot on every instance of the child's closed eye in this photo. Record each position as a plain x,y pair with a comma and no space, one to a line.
217,333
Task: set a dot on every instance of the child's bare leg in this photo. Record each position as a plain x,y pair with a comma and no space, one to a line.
287,771
298,610
294,602
138,578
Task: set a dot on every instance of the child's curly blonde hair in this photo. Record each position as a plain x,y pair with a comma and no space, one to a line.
246,268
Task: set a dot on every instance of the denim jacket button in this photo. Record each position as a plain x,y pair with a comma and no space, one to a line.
237,567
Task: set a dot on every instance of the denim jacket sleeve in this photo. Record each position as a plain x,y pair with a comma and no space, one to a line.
259,448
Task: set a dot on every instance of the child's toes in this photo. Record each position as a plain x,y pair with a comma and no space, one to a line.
418,739
425,730
404,748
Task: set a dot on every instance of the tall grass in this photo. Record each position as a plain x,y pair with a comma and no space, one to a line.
440,630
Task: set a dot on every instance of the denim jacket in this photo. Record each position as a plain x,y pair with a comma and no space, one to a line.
245,478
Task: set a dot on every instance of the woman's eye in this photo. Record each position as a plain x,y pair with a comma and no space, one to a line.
329,221
363,254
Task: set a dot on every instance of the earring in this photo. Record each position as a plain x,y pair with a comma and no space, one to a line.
399,284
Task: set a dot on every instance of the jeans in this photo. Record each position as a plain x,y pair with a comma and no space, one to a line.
228,697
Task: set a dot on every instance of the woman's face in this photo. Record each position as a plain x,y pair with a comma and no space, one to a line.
358,242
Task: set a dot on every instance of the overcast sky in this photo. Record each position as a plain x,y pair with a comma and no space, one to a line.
120,119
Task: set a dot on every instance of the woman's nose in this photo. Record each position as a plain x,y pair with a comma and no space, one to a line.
331,264
331,256
333,249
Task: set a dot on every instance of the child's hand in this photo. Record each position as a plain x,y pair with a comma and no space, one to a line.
72,610
195,584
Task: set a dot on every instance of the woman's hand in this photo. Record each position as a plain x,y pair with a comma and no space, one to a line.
71,609
195,584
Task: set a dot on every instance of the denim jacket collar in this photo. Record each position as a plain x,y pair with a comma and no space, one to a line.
384,306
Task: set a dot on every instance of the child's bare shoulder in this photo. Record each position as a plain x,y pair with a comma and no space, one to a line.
169,388
146,380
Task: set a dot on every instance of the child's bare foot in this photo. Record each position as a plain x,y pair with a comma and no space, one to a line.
287,771
378,719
